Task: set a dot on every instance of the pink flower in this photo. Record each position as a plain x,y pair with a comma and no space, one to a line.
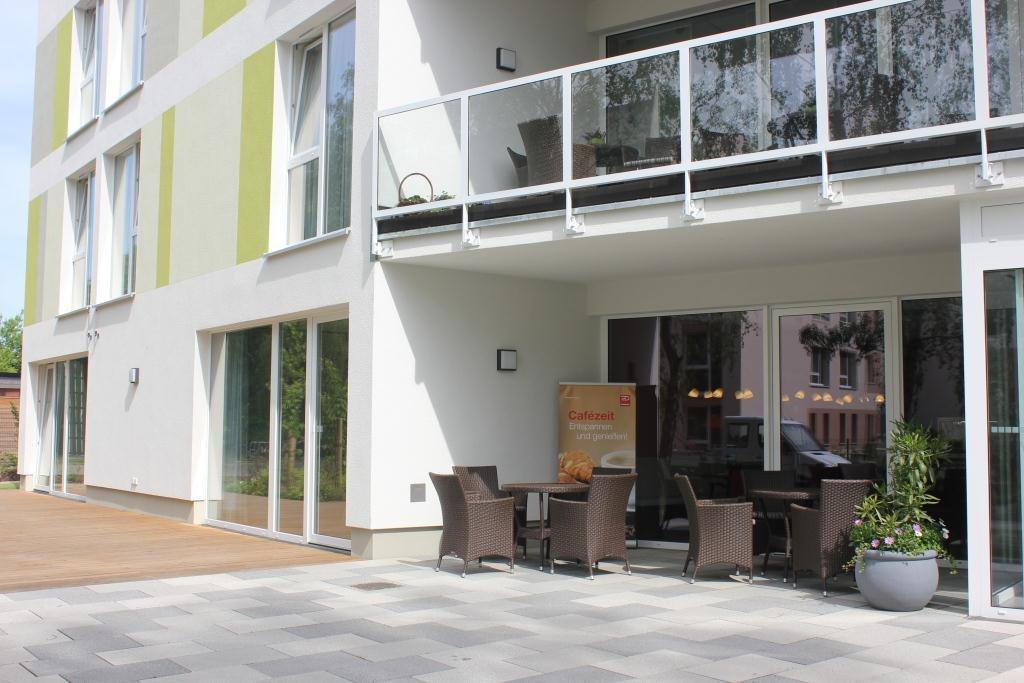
874,542
899,531
889,540
945,534
917,529
858,522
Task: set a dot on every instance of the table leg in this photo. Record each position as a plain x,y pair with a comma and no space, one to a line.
540,527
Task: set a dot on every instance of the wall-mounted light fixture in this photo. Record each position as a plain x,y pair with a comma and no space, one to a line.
507,360
505,59
133,375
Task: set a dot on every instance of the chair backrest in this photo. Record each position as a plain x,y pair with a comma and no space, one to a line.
519,164
690,499
839,497
542,140
663,147
479,480
452,498
607,498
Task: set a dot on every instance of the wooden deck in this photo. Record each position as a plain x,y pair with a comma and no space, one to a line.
48,541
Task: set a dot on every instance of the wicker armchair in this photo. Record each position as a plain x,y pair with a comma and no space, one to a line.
820,537
473,528
771,522
594,529
721,531
542,141
480,482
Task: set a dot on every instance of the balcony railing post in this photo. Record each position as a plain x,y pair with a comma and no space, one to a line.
821,104
979,50
692,211
573,226
470,237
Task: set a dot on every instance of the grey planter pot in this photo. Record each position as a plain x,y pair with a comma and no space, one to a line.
898,582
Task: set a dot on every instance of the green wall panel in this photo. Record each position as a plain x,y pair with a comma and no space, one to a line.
32,263
62,83
163,240
216,12
254,155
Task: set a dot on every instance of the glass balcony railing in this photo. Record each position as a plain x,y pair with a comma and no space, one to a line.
876,84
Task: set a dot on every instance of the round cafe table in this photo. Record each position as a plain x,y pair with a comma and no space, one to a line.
542,532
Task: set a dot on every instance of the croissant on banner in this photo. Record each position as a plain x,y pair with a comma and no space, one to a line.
575,466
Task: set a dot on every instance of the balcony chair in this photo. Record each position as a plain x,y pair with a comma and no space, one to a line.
771,521
821,537
481,482
542,140
721,531
473,528
594,529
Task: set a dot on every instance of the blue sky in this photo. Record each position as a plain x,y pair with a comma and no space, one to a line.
17,55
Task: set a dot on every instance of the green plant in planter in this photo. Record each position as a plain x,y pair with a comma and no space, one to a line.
595,137
895,518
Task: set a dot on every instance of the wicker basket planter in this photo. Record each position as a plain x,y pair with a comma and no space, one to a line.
898,582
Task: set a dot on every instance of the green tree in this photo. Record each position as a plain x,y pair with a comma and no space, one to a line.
10,343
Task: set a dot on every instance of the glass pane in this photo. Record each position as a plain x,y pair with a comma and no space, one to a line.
87,59
292,357
308,105
901,67
1003,310
515,137
626,116
708,370
332,423
129,42
826,425
123,225
59,417
933,395
677,31
240,448
419,156
753,93
77,380
302,201
341,66
44,467
1005,28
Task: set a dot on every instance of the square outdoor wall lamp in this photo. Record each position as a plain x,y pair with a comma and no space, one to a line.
505,59
507,360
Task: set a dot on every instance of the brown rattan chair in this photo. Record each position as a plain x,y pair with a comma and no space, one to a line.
542,141
821,537
594,529
771,522
473,528
721,531
480,482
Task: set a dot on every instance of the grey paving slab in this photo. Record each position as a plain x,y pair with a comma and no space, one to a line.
991,657
128,672
359,670
812,650
579,674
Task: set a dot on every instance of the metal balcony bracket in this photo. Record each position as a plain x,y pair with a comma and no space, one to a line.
693,210
383,249
830,194
574,225
470,237
989,174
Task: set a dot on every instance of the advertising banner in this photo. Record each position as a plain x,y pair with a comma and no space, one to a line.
597,428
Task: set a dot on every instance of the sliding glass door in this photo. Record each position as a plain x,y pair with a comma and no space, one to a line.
61,465
278,421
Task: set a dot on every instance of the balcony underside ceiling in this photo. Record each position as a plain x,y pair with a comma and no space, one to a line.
818,236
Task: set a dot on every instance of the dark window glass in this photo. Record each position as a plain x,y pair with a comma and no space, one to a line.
680,30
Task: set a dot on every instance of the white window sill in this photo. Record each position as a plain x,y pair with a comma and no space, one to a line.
81,129
116,300
73,312
124,96
319,239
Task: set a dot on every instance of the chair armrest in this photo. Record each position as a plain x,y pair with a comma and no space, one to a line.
491,506
722,501
566,505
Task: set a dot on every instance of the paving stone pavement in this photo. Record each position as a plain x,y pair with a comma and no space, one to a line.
323,623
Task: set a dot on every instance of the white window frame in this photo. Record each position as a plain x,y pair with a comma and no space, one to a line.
139,48
83,218
130,234
320,36
87,75
819,375
847,374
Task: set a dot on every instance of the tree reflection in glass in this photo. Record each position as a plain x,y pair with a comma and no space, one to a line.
1005,56
753,93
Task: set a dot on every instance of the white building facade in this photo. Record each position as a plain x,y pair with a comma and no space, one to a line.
274,245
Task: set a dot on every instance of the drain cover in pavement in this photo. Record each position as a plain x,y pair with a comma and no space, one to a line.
375,585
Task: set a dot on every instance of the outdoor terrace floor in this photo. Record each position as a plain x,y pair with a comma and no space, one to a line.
318,623
50,541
